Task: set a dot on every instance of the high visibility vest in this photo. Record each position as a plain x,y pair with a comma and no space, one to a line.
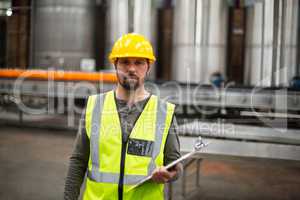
115,167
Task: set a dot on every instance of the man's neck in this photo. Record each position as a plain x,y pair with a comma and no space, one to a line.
132,96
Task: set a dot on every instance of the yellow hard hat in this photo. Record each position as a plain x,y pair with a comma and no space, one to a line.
132,45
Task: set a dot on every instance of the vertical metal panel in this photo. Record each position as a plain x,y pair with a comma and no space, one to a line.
259,43
164,43
183,43
298,41
63,33
142,17
199,39
125,16
275,40
117,23
288,42
277,71
272,43
267,42
217,38
291,39
145,23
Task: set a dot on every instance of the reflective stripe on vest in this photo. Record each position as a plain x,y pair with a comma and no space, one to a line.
106,177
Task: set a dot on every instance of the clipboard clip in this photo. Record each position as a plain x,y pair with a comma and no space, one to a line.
199,144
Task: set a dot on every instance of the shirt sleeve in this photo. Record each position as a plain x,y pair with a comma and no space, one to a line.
172,146
172,149
78,163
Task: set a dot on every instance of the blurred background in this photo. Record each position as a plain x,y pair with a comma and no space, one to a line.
232,67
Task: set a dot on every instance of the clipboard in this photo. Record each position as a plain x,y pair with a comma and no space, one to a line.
199,144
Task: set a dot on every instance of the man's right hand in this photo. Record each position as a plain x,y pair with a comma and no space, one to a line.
162,175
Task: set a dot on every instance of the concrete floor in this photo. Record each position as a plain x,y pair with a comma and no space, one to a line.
242,178
33,166
33,163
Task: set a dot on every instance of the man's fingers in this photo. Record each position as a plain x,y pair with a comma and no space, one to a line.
156,175
166,174
161,175
169,174
173,173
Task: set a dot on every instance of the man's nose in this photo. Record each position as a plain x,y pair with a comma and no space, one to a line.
131,67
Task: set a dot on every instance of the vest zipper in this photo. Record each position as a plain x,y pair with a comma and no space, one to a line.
122,166
123,149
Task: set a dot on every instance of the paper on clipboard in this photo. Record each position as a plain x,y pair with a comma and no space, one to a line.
199,144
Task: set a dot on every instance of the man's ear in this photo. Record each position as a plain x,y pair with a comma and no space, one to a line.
149,66
148,70
115,64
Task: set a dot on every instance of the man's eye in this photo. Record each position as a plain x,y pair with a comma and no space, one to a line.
125,62
138,63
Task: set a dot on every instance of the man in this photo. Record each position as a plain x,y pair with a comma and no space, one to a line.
126,134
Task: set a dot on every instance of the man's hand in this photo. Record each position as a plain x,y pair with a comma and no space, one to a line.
162,175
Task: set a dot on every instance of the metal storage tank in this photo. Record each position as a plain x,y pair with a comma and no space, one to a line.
184,67
271,43
199,43
117,24
62,33
144,22
288,44
259,45
124,16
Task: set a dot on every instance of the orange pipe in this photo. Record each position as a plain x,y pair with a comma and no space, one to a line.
59,75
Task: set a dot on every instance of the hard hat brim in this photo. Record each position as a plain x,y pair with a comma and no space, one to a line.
113,58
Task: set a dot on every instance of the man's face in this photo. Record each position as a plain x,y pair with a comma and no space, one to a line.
131,72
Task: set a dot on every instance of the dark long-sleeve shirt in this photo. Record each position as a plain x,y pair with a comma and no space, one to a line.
80,156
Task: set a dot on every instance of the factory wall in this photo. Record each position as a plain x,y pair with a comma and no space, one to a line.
195,33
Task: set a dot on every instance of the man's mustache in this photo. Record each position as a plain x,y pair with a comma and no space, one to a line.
131,76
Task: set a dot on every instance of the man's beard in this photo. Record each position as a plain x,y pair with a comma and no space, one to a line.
128,85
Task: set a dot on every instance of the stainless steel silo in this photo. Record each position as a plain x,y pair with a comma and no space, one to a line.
259,44
288,45
62,33
199,39
117,24
271,43
125,16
